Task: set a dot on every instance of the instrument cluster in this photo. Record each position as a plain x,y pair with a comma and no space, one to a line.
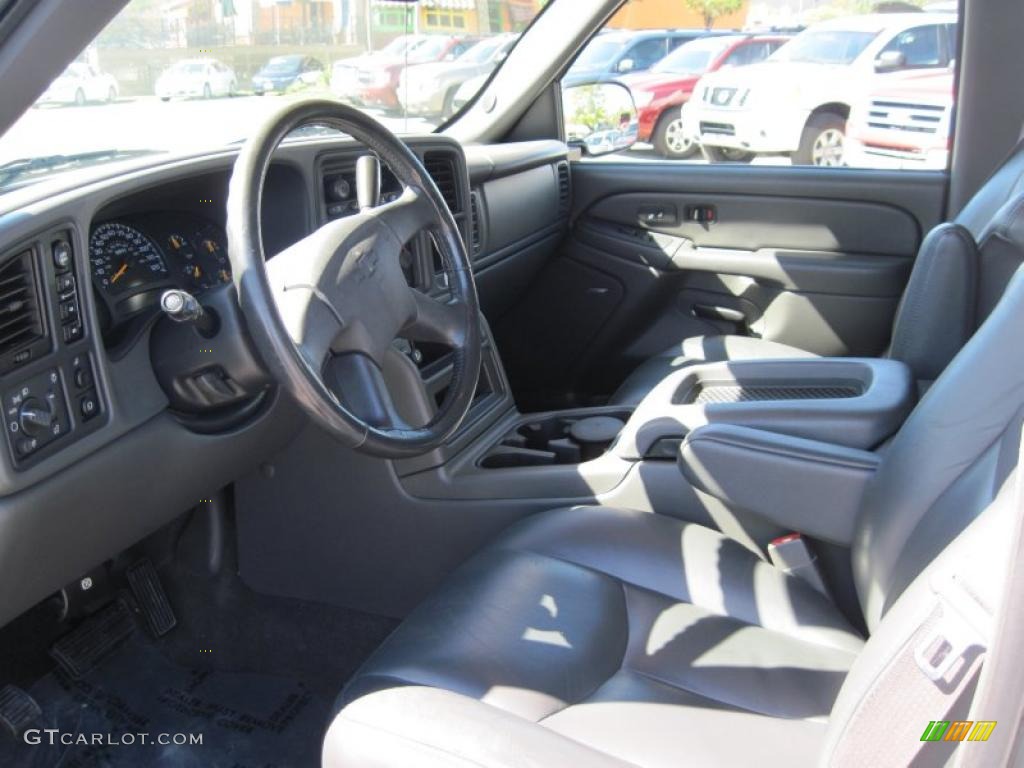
133,260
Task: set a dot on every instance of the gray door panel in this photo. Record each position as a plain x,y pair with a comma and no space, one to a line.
817,258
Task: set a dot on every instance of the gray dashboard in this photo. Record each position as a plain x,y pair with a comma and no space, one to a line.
110,479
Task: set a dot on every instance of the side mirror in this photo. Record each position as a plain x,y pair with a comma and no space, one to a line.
599,118
626,65
890,61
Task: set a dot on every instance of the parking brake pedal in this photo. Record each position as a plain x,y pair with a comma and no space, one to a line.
18,710
151,598
87,645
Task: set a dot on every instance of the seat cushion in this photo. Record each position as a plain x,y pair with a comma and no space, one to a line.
695,350
624,634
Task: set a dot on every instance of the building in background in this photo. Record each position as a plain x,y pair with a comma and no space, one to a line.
672,14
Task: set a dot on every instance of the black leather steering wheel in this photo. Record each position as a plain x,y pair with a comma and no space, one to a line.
324,313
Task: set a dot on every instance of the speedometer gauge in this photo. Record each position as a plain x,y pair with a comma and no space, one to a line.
123,259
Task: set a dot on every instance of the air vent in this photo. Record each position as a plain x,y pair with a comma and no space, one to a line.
21,321
442,169
564,189
476,223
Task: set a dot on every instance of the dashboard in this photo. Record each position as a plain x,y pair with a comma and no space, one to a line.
100,382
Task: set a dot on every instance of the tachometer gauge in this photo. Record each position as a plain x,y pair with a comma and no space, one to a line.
123,259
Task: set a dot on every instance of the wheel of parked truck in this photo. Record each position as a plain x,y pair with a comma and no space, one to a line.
669,139
726,155
207,91
325,312
112,94
823,141
80,98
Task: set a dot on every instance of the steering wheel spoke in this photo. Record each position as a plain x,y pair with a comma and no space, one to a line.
437,320
358,383
407,216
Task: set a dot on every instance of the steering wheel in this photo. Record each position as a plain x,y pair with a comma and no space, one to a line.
325,312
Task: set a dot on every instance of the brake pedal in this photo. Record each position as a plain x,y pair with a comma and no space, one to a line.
85,646
18,710
151,599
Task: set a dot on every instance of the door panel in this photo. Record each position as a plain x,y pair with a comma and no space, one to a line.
816,258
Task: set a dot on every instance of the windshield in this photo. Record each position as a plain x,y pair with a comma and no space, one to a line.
826,46
694,57
183,76
597,55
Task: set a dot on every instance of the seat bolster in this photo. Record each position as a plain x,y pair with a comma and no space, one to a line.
699,349
431,728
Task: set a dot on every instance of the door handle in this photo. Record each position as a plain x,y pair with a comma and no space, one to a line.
724,314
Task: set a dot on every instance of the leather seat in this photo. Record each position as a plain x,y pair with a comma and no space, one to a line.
951,260
597,636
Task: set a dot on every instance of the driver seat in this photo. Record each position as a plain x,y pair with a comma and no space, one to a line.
607,637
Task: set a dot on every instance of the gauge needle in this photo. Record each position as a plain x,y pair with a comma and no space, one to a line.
120,273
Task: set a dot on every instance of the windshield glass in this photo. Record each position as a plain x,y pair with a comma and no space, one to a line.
694,57
597,55
826,46
194,75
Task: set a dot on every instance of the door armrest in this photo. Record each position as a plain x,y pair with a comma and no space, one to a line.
805,486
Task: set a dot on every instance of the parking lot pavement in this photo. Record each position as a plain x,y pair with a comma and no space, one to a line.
148,123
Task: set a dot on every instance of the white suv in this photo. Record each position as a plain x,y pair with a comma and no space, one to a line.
797,101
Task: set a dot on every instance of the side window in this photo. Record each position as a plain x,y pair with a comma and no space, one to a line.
860,90
644,54
920,47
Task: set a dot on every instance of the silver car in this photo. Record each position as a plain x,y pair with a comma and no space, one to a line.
429,89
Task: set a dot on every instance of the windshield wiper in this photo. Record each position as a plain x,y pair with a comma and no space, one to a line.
29,166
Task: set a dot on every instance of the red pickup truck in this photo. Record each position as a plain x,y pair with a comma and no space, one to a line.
661,91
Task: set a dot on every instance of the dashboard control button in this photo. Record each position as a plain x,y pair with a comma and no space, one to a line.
61,255
88,406
83,378
65,284
68,310
35,417
26,445
72,332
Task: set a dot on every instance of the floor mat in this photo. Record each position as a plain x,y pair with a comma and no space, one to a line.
244,720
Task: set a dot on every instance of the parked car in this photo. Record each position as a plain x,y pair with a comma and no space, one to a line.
345,72
668,85
467,91
613,54
284,72
797,101
79,84
905,124
197,77
429,89
378,79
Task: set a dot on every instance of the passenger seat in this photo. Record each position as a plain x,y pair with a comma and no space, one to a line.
961,271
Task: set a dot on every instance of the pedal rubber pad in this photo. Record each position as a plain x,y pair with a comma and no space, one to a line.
18,710
151,599
85,646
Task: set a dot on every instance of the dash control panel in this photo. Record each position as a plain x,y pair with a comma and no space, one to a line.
53,398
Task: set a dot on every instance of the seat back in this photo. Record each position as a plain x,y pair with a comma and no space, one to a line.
960,273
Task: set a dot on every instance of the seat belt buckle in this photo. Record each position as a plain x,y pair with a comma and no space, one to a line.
963,625
791,554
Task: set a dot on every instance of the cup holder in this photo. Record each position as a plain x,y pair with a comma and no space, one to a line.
556,440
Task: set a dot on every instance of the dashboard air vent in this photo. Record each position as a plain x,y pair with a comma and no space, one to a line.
564,189
442,169
21,321
476,224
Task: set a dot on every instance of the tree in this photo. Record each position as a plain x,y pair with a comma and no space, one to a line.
712,9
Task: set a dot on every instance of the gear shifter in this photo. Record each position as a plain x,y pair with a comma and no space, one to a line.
368,182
